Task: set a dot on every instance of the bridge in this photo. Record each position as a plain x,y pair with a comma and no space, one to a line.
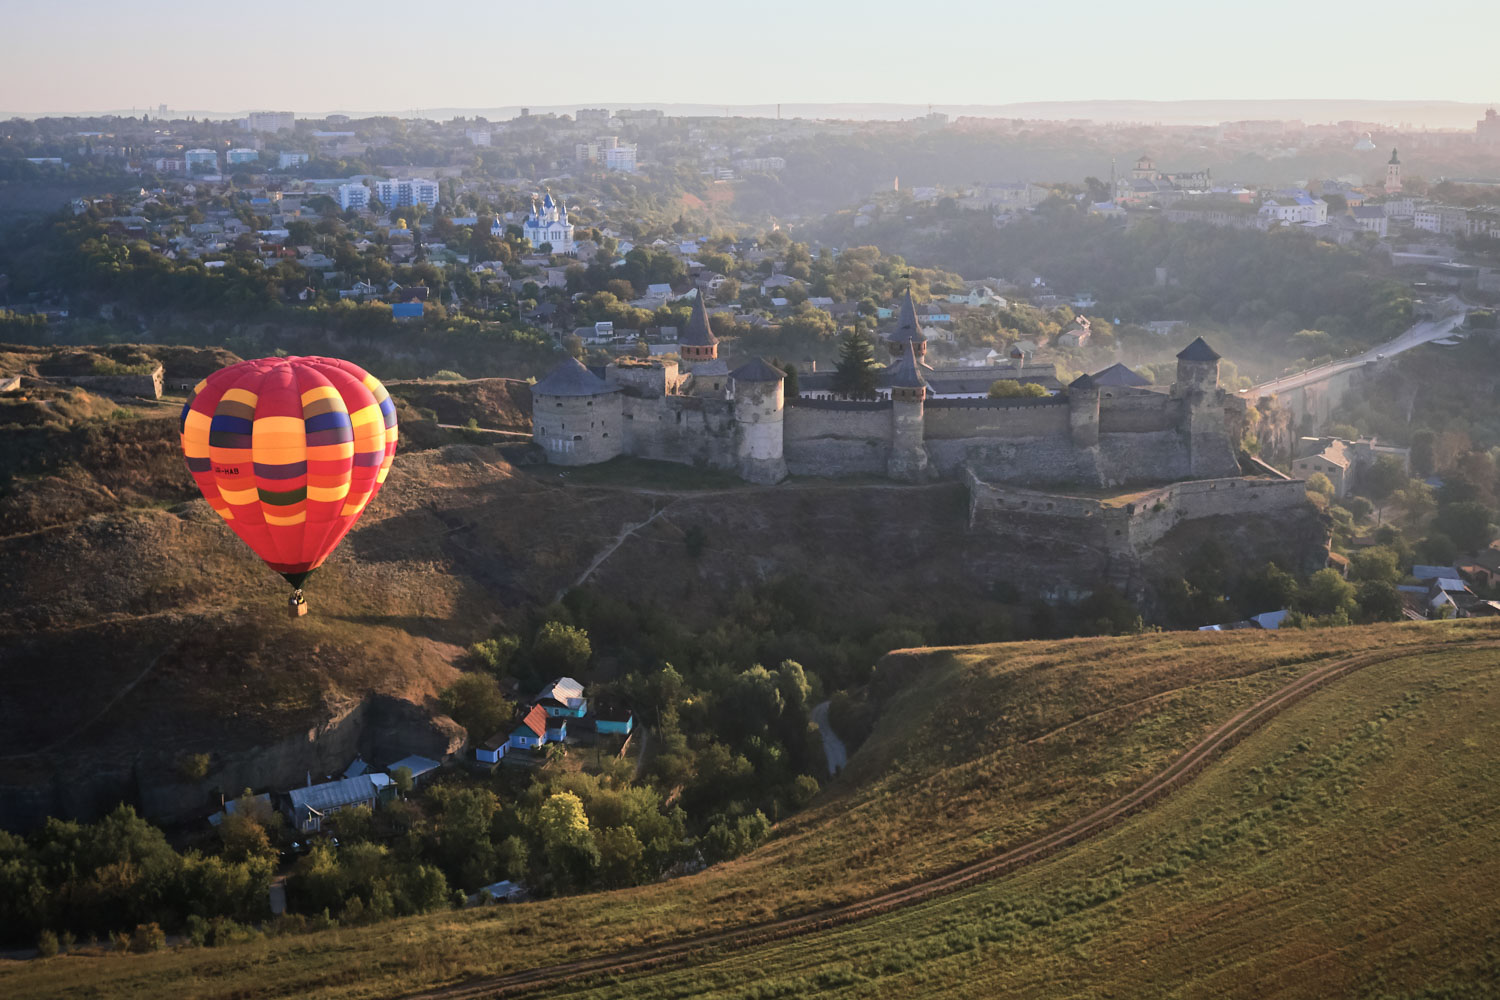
1316,392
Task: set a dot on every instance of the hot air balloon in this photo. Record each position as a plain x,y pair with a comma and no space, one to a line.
289,452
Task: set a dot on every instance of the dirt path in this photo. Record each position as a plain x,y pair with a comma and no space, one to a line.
833,747
610,550
1174,776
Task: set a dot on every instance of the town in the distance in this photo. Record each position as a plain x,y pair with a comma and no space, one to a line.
912,552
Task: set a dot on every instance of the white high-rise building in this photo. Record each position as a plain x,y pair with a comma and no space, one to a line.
622,157
548,223
291,159
395,193
201,161
354,196
241,155
270,121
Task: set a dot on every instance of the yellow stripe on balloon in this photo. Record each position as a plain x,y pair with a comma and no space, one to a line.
195,434
298,518
367,414
200,386
330,452
318,392
238,395
327,493
240,497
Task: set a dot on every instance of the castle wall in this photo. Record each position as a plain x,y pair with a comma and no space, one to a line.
1006,439
1143,457
837,438
146,386
1137,413
1125,528
691,430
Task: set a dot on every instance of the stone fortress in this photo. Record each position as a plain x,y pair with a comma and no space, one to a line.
1101,431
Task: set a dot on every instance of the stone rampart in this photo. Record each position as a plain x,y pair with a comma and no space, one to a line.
837,438
1125,526
690,430
147,385
1137,414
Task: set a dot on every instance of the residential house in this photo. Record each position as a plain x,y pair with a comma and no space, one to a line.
563,698
492,750
308,807
1076,335
408,310
530,733
611,718
421,768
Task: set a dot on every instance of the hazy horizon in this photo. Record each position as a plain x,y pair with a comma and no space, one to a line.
1438,114
838,53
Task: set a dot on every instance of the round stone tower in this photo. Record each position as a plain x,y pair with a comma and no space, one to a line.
1197,369
759,406
576,416
908,459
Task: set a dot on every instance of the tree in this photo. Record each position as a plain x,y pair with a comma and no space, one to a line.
620,856
1423,448
561,649
1319,483
856,373
474,702
1379,601
567,844
1378,565
1383,478
1437,549
1009,388
402,779
1466,523
1326,593
495,654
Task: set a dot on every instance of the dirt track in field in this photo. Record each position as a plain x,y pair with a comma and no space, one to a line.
1166,781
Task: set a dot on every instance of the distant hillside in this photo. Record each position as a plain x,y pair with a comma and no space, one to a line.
1351,842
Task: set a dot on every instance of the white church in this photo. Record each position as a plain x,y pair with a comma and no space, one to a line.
548,223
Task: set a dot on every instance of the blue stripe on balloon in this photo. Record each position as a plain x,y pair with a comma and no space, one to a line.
369,457
231,425
327,421
289,471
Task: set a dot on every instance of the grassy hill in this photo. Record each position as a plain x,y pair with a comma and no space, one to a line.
1345,849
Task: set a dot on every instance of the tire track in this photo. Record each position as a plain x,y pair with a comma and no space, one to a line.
1163,783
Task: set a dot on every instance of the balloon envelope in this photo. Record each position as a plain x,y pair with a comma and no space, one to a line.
289,451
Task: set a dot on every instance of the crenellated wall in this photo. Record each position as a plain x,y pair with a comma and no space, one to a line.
837,438
692,430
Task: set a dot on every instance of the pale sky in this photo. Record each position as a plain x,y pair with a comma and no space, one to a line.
371,55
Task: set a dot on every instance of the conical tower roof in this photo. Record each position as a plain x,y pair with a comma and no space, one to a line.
698,332
906,372
908,330
571,378
1198,350
1119,374
757,370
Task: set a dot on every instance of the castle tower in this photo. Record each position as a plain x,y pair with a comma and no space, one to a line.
759,406
1210,452
1083,411
908,331
908,459
1393,174
697,342
576,416
1197,369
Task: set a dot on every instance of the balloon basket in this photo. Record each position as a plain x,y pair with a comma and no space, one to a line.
296,605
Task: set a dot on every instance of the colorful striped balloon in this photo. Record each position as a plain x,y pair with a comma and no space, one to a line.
290,451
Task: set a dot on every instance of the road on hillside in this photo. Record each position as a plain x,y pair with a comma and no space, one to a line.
1419,334
833,747
1166,781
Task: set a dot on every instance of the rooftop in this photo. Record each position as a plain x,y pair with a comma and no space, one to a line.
571,378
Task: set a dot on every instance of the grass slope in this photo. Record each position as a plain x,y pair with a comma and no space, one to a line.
1348,849
983,748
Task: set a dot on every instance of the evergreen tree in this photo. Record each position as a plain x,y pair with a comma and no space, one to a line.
856,366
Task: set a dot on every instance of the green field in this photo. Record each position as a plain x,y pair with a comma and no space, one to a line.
1346,850
1366,814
